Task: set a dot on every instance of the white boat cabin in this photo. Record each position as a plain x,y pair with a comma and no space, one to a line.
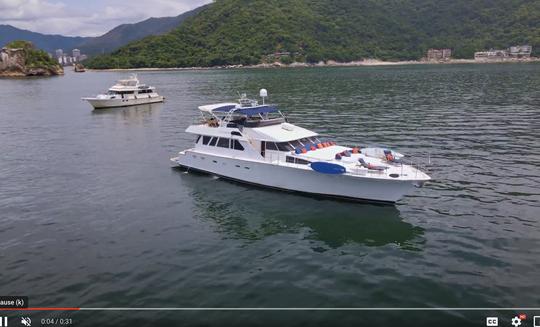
251,131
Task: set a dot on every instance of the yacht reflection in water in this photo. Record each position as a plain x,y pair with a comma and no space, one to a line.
249,213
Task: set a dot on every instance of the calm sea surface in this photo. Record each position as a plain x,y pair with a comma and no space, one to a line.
93,215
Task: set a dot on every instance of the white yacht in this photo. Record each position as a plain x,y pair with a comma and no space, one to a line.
126,92
255,144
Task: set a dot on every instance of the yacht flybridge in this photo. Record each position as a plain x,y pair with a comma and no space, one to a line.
126,92
255,144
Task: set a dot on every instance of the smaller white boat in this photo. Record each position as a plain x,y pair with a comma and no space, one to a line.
126,92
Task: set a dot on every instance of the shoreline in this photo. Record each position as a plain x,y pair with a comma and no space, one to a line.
331,63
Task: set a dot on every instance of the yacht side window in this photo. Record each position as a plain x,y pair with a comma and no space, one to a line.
271,146
223,142
284,146
237,145
296,160
213,141
198,139
205,140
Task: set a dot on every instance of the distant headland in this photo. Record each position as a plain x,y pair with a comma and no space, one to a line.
21,58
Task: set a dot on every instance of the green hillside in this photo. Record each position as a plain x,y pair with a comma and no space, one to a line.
125,33
33,58
244,31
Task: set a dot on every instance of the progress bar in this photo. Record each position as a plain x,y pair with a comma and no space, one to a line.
40,309
264,309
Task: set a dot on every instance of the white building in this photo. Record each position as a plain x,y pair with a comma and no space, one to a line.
76,53
516,51
491,55
520,51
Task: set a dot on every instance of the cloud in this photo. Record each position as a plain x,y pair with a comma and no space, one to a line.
23,10
78,18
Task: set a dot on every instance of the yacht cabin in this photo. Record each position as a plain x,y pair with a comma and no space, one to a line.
252,131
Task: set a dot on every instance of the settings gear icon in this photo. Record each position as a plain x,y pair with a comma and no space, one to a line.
516,321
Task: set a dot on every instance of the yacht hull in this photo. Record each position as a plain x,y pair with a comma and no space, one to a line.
289,178
114,103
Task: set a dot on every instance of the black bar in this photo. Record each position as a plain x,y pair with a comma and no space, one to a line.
13,302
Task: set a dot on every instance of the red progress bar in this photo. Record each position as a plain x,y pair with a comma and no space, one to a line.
40,309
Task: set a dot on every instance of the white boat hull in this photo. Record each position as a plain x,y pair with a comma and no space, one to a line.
113,103
290,178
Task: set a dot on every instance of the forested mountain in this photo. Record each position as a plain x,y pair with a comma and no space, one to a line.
126,33
112,40
245,31
45,42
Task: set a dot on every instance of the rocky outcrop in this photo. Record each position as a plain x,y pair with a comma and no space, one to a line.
79,68
13,63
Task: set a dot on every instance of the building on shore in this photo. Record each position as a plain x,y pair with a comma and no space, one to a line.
65,59
491,55
439,54
76,53
520,51
514,52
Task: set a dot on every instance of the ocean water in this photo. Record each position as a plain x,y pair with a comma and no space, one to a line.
93,215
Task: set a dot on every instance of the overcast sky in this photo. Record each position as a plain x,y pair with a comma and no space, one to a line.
86,17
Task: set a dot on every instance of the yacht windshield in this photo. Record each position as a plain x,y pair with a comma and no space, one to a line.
284,146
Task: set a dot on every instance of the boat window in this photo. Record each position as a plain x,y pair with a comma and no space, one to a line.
198,139
236,133
314,140
213,141
296,143
237,145
305,141
290,159
284,146
271,146
223,142
205,140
